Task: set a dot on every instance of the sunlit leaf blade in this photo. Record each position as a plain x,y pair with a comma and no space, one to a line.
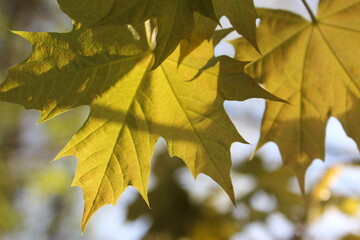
108,68
315,67
115,145
67,70
242,16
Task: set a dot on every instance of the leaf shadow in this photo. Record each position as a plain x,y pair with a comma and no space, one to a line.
135,123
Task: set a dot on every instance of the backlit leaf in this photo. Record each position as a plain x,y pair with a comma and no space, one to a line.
315,67
73,62
108,68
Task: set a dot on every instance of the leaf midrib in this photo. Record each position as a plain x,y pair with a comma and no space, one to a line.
193,127
301,108
117,139
280,44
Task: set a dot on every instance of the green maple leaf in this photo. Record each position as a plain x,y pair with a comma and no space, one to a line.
108,68
315,67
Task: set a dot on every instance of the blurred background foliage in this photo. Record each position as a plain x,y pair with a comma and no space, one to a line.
36,201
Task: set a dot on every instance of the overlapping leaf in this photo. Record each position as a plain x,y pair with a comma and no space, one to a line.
315,67
175,18
108,68
203,30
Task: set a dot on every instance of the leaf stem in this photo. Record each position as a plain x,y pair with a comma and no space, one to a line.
312,15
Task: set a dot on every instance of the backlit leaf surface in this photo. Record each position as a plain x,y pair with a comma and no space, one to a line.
108,68
315,67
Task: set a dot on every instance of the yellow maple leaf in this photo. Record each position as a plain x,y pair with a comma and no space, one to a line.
108,68
315,67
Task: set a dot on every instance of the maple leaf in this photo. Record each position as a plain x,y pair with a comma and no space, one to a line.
108,68
315,67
